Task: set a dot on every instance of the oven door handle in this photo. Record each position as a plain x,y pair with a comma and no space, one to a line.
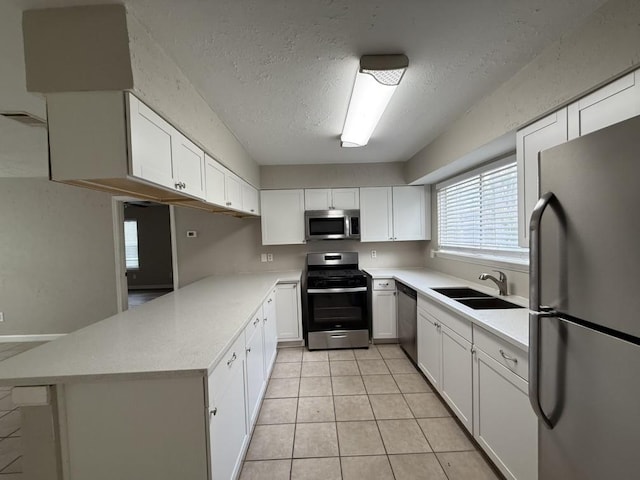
337,290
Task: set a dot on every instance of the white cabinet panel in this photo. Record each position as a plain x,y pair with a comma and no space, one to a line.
456,380
429,347
384,315
345,198
530,141
409,217
188,162
233,189
151,138
504,425
255,366
317,199
227,418
288,311
376,216
215,181
250,199
610,104
282,217
270,331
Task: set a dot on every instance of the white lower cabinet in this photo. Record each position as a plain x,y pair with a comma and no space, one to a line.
270,331
384,309
288,311
228,432
429,347
504,425
456,379
254,350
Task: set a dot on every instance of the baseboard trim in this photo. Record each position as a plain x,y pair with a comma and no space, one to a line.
149,287
31,338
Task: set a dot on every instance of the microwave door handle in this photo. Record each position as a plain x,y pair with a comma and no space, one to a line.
536,310
347,226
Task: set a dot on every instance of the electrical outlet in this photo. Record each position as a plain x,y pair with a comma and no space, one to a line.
1,317
263,257
269,257
374,254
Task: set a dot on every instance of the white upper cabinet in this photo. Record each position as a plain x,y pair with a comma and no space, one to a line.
151,138
332,199
376,214
215,181
282,217
250,199
394,213
409,215
610,104
188,166
233,190
530,141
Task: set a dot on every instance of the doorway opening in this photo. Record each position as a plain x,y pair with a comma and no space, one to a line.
144,250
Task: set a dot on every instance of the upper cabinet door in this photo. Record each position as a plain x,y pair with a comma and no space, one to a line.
282,217
317,199
188,165
610,104
151,139
250,200
530,141
345,198
376,214
409,216
233,189
215,183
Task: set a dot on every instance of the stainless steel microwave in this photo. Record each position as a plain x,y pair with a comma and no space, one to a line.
332,224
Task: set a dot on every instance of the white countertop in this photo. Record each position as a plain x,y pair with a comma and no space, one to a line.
510,324
186,331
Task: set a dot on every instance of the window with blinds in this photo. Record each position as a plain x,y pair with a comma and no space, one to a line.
478,211
131,244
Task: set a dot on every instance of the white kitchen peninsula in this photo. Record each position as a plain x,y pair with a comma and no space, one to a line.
148,392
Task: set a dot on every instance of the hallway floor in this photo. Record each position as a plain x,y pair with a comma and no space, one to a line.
355,414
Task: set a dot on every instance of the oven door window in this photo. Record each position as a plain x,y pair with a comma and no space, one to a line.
344,311
326,226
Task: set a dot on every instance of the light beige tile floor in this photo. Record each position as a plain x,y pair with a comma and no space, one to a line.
357,414
10,439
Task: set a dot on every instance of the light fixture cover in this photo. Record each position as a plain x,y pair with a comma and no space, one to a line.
376,81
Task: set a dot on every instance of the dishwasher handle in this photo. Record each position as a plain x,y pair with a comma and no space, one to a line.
406,290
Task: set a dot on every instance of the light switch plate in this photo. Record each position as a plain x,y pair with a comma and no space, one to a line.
269,257
374,254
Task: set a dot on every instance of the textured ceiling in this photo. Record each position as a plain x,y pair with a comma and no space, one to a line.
279,73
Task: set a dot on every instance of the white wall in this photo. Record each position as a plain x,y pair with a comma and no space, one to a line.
228,245
605,46
57,267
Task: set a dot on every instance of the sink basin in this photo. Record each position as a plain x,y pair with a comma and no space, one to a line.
491,303
461,292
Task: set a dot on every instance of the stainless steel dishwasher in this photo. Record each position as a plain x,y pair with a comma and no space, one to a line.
408,320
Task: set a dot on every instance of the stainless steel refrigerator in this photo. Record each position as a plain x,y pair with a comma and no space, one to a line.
584,357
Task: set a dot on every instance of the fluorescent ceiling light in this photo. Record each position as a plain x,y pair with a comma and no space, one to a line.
376,80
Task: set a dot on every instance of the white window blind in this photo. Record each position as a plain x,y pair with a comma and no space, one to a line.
131,244
478,212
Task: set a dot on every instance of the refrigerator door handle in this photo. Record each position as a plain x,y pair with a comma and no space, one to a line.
536,309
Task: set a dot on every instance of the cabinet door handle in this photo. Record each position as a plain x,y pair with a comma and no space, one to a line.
249,350
256,322
252,210
507,357
270,300
232,359
177,185
228,204
265,319
213,411
473,350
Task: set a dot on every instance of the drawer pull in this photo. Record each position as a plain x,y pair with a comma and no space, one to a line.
507,357
249,350
270,300
213,411
256,322
232,359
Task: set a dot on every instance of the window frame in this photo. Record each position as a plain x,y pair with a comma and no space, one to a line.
137,245
515,259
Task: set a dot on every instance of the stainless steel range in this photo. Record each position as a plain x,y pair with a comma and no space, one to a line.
336,313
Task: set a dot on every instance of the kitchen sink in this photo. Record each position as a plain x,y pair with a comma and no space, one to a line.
491,303
461,292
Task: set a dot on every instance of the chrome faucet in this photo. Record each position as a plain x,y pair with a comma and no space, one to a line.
501,282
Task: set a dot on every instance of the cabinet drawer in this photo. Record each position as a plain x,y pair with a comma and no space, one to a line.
503,352
230,365
456,323
384,284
